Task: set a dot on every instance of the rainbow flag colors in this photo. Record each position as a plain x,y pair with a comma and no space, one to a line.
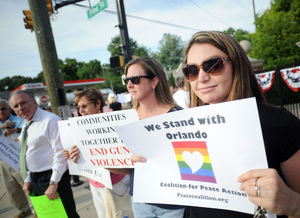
193,161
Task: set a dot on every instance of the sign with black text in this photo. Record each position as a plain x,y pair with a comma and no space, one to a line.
194,156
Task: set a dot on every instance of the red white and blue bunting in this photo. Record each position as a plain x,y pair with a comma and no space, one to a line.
265,80
291,77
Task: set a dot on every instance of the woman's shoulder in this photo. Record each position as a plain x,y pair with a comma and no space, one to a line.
276,114
175,108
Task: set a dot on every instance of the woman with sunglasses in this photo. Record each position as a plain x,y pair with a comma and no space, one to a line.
113,203
147,84
218,70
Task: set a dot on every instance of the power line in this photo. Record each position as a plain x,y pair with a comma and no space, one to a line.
146,19
220,20
238,3
154,21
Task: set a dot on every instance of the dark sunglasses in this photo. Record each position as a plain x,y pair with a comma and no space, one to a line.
212,65
136,79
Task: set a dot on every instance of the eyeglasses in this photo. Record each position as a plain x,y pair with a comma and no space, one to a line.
212,65
136,79
3,109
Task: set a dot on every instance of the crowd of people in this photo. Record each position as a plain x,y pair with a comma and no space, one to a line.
215,70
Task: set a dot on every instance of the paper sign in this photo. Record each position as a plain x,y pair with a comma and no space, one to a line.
194,156
46,208
9,150
124,98
99,144
100,174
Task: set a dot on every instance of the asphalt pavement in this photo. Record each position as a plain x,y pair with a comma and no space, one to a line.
82,194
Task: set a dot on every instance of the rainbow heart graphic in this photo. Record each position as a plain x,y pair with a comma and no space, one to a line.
193,161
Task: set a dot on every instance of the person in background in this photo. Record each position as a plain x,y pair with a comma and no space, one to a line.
76,181
181,96
110,204
116,106
111,98
147,84
9,124
172,89
12,180
218,70
42,165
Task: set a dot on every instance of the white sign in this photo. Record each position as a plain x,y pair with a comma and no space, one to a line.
124,98
99,144
100,175
195,156
9,150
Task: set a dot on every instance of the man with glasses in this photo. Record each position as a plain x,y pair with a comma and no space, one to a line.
11,179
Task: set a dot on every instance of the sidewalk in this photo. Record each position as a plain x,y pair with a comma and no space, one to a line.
82,194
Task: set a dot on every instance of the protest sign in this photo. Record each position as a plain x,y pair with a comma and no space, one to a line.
46,208
100,174
99,144
194,156
9,150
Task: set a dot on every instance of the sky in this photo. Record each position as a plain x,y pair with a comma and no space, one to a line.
85,39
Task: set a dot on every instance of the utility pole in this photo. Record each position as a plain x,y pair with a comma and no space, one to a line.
254,13
123,31
47,50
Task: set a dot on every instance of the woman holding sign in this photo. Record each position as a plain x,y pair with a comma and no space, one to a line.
113,203
218,70
147,84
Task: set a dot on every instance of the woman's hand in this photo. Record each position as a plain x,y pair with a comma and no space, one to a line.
265,188
66,154
136,158
74,153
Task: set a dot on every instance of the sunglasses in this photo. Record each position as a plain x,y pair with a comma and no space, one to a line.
136,79
212,65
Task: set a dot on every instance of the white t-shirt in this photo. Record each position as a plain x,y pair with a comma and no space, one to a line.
182,98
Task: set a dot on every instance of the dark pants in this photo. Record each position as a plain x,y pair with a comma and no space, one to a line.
40,182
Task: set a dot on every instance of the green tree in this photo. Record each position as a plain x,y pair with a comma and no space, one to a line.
238,34
170,51
69,69
10,83
113,79
277,31
40,77
114,47
6,84
90,70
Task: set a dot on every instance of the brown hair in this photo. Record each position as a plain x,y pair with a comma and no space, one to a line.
153,67
244,83
93,95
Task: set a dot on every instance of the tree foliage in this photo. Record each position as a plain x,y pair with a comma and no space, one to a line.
10,83
69,69
238,34
277,31
115,47
113,79
170,52
90,70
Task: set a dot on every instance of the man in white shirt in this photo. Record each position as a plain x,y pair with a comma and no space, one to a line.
46,167
181,96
